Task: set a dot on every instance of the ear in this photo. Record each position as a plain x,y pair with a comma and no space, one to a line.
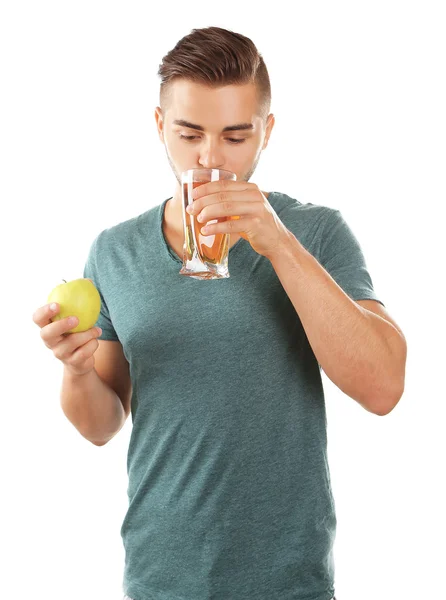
269,127
159,123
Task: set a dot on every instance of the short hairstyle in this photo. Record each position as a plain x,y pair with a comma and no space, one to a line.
216,57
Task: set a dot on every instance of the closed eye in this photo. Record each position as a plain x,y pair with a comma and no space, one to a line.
191,138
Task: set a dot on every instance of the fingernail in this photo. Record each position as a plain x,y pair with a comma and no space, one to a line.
53,306
99,330
72,321
190,209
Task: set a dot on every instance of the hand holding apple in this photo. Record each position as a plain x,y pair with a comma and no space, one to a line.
74,350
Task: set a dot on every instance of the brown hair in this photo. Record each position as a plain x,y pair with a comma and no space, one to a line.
215,57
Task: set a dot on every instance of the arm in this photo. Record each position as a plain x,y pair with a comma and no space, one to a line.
91,406
362,353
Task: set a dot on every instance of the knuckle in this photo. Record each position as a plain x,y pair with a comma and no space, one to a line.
39,318
58,353
80,356
227,206
91,348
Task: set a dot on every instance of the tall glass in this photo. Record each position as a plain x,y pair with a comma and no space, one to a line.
204,256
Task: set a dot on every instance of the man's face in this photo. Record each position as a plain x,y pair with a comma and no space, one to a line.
194,128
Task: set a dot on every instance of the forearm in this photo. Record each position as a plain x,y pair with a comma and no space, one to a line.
358,350
91,406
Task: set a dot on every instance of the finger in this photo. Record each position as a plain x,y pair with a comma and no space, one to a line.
221,185
228,209
43,315
229,226
53,333
70,344
221,198
83,354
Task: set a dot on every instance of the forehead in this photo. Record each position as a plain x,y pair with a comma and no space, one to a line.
213,108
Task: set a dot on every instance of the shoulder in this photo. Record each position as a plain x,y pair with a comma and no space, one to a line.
284,204
308,222
126,232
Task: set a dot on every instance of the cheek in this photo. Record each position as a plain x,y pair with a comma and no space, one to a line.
183,150
250,151
253,146
172,144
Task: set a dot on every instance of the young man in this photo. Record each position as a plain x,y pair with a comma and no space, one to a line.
229,487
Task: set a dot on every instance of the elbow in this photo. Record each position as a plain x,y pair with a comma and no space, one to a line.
382,411
98,442
386,400
383,407
399,383
103,441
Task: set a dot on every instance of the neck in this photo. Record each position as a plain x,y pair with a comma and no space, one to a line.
173,214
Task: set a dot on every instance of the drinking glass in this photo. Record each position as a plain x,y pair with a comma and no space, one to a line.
204,256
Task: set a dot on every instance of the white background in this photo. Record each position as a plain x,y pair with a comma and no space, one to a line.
359,99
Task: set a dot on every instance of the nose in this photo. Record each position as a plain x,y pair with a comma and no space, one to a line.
211,156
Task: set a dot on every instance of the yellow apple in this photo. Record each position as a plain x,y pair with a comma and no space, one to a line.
79,298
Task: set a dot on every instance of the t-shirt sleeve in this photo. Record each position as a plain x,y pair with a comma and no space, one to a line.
91,271
342,256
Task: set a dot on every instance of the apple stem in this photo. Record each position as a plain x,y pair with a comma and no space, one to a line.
64,280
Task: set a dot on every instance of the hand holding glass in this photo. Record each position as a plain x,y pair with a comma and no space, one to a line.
204,256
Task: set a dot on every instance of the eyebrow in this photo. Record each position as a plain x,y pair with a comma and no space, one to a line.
238,127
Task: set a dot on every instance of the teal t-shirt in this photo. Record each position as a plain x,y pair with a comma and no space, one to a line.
229,485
